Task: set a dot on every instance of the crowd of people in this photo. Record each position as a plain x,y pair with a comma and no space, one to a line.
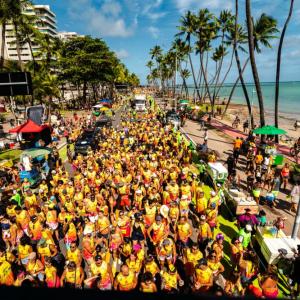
131,215
262,172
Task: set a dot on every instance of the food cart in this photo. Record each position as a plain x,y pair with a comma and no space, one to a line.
237,202
271,241
217,172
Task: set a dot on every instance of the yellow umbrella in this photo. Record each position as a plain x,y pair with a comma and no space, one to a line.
104,108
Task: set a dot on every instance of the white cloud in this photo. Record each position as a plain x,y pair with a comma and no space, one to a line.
122,53
183,5
154,31
111,8
102,20
149,10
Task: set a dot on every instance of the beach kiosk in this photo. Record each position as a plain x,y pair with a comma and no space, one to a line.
271,240
217,172
237,202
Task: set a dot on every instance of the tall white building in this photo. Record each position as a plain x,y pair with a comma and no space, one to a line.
46,23
67,36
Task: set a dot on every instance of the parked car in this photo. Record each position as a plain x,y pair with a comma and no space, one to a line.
173,118
103,121
88,139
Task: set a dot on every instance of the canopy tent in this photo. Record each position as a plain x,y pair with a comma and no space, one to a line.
105,100
97,106
269,130
183,101
28,127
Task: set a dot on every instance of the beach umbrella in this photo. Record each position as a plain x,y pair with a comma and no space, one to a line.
269,130
184,101
104,108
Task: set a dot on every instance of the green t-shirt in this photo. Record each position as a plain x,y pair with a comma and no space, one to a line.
246,237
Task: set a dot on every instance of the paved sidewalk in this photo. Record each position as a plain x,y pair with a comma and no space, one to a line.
221,141
233,133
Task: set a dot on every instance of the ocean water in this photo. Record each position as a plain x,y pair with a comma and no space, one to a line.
289,97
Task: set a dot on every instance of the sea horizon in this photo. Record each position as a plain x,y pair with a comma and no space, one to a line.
289,96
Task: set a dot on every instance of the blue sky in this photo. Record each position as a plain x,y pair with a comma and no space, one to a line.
132,27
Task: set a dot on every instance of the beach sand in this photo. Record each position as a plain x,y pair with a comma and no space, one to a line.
241,110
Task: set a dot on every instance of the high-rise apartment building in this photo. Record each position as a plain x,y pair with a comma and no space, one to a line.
46,23
67,36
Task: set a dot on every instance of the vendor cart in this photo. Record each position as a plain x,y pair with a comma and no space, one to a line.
237,202
271,241
217,172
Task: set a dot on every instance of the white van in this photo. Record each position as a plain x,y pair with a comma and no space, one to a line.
140,102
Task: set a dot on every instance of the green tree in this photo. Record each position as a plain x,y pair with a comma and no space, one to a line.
260,32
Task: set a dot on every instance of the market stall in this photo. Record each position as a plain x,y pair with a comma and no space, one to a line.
31,133
237,202
271,241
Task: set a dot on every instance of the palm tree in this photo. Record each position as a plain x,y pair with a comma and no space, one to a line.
252,42
187,29
279,62
185,74
156,53
239,37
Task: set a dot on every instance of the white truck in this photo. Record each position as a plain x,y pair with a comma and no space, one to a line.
140,102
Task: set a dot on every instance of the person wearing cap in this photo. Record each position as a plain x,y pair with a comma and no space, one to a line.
247,218
214,198
138,199
211,214
203,277
201,203
245,235
125,280
35,229
184,204
88,243
158,230
218,246
217,268
166,251
72,276
102,269
205,234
